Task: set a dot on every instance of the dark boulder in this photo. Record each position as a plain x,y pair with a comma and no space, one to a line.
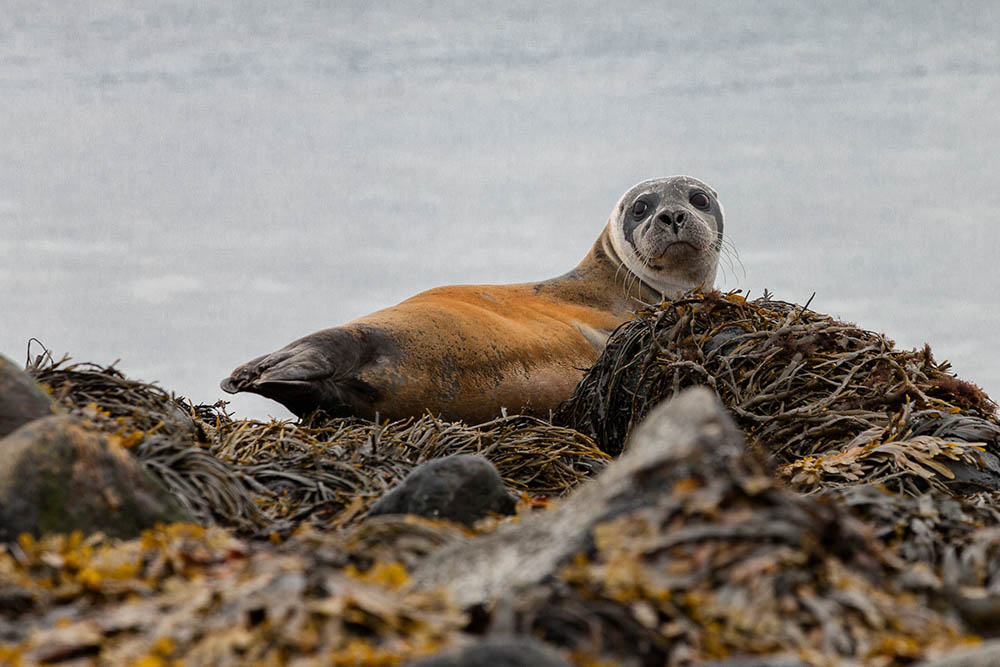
57,477
21,399
462,488
515,651
985,655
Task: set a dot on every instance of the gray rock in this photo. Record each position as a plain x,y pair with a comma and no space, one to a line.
57,477
758,661
985,474
462,488
516,557
516,651
21,399
986,655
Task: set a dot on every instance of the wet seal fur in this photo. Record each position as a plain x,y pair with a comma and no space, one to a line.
468,351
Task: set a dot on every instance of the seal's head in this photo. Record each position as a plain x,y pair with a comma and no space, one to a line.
668,233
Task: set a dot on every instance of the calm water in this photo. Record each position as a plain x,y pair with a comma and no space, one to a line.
185,185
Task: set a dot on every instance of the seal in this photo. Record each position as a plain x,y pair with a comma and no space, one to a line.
471,351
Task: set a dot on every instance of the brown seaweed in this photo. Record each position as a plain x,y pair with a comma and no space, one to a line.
830,403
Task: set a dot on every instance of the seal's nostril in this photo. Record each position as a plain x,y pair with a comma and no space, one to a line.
664,218
680,217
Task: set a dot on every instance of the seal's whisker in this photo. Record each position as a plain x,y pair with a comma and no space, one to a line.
645,263
731,254
625,278
722,253
621,265
721,267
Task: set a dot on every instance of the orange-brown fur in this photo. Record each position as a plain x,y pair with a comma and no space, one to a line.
467,349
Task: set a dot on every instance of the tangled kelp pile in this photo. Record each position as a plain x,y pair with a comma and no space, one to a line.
699,586
830,403
267,477
953,541
202,596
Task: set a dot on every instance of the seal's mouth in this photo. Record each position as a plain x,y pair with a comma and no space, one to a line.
672,249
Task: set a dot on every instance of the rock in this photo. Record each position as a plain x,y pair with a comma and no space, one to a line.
21,399
57,477
462,488
758,661
986,655
517,557
984,474
514,651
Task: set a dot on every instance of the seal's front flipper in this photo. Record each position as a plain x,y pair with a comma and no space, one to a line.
320,371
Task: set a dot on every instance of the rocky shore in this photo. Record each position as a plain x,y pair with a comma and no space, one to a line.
734,482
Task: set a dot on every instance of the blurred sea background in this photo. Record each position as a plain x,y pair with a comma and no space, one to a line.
186,185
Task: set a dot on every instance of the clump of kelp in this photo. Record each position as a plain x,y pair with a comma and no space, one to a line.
770,574
267,477
186,594
828,402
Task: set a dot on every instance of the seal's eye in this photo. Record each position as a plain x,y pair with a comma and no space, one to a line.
700,200
639,208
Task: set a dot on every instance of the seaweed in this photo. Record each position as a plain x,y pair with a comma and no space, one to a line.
829,402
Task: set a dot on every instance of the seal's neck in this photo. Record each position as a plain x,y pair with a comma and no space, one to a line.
604,257
601,280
